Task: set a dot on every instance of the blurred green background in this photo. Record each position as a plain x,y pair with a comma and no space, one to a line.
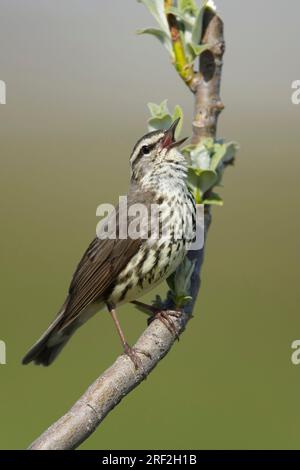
78,80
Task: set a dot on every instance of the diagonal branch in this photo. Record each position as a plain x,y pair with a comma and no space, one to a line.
116,382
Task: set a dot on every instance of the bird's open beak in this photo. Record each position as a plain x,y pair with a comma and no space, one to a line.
169,141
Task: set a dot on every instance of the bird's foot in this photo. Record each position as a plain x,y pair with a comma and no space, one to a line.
165,316
156,313
132,353
145,308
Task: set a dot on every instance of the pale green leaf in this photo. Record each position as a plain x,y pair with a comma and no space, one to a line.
164,108
201,180
213,199
154,109
161,118
187,19
223,153
208,179
159,110
161,36
187,149
188,5
171,282
209,143
195,50
162,123
180,281
197,28
194,176
157,9
181,300
231,150
220,150
200,157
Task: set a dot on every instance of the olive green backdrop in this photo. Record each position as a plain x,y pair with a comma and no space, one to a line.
78,80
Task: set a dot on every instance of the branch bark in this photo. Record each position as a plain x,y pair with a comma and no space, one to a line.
116,382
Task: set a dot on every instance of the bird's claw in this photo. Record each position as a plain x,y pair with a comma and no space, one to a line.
132,353
165,317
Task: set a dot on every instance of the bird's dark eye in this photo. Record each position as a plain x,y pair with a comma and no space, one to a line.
145,150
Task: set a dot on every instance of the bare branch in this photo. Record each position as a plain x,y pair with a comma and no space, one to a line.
108,390
117,381
208,104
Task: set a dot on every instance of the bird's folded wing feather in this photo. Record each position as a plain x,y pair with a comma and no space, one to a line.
101,264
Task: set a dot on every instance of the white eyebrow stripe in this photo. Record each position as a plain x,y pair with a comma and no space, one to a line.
151,140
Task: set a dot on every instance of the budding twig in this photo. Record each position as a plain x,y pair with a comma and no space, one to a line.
184,69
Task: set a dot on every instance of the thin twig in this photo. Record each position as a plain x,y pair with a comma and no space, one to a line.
116,382
183,67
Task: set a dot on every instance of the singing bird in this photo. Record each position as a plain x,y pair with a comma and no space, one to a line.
114,271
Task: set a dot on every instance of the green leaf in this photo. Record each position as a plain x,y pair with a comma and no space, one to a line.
196,50
187,149
220,150
160,123
201,180
186,23
223,153
163,37
159,110
200,157
180,282
178,13
161,118
194,177
188,5
157,9
187,19
231,150
206,170
208,179
193,182
197,28
171,282
154,109
181,300
209,143
213,199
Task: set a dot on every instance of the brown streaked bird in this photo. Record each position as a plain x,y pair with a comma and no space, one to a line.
115,271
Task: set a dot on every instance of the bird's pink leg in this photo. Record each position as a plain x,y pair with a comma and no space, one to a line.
165,316
132,353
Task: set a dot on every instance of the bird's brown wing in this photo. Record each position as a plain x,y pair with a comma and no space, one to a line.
101,264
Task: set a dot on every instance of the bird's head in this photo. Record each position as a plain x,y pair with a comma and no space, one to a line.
155,153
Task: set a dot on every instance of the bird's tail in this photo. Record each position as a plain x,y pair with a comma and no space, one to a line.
51,343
